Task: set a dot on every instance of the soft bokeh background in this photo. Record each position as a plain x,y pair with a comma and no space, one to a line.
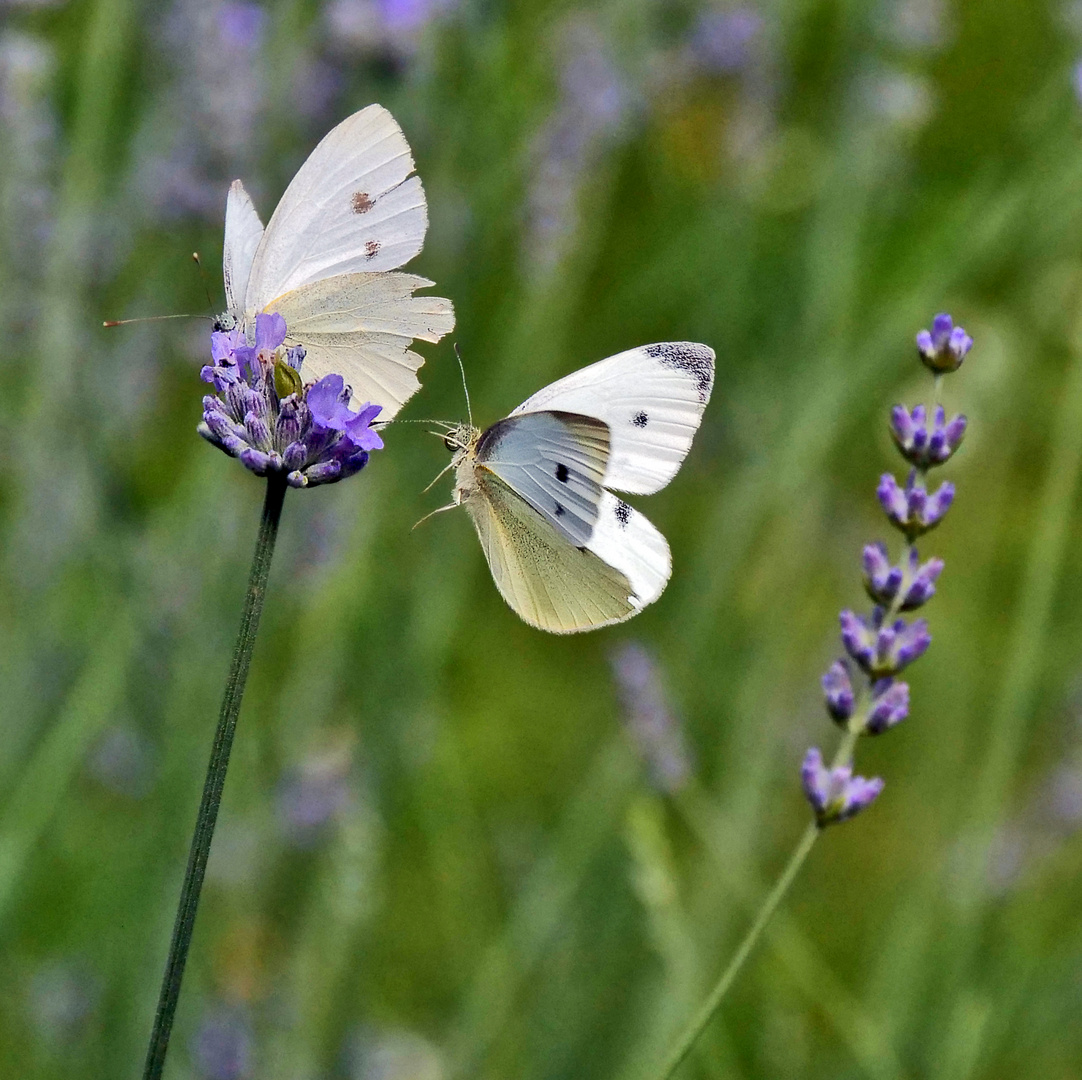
452,846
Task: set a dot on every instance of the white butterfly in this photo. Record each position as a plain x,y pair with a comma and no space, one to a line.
566,553
351,214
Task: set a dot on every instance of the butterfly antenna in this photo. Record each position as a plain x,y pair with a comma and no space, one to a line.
438,510
465,389
108,323
203,279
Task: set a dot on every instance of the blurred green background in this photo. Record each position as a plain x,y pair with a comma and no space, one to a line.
451,846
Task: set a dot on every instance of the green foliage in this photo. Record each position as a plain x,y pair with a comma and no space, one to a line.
500,892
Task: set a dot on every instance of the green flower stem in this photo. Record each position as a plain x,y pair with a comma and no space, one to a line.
215,782
706,1013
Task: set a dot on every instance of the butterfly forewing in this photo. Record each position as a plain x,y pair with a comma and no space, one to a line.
243,231
652,399
352,207
556,462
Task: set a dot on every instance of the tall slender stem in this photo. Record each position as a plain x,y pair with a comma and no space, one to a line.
215,781
705,1014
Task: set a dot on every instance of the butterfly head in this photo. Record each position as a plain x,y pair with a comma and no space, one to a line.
461,438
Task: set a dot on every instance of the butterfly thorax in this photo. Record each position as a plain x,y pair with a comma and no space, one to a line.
462,441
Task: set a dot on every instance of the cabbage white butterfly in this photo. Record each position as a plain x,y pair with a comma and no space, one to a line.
352,214
564,551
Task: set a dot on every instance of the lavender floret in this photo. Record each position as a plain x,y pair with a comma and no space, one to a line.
882,581
309,433
838,691
890,706
883,650
944,347
836,794
925,445
911,509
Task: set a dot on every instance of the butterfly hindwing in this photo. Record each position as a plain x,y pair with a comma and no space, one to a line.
556,462
548,581
361,326
652,398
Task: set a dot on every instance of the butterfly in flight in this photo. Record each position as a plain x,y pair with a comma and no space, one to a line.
565,552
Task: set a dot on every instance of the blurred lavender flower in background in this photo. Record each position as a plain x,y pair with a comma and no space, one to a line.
61,999
593,104
728,40
222,1047
122,762
313,795
654,729
382,28
393,1055
205,130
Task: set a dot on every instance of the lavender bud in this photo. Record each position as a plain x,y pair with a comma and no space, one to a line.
881,580
297,479
922,583
912,509
881,650
890,706
255,460
944,347
909,643
258,432
296,454
835,794
324,473
838,691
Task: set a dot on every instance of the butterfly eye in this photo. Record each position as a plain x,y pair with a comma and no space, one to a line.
451,443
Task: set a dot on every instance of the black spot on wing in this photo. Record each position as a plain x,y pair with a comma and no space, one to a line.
560,510
623,513
696,360
640,419
561,472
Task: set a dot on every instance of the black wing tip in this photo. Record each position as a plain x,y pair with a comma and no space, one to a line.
692,357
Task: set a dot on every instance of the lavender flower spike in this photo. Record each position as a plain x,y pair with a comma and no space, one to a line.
944,347
836,794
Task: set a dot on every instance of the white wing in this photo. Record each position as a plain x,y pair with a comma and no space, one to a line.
352,207
361,326
556,462
243,231
651,397
554,585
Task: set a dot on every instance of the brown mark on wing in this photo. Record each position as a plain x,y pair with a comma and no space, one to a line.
361,202
371,249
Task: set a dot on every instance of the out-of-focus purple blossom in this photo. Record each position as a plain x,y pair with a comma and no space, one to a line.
654,729
890,705
925,445
312,796
726,41
883,650
122,763
882,580
242,26
1065,796
61,998
594,102
222,1046
391,28
838,691
264,416
835,794
912,509
944,347
1076,80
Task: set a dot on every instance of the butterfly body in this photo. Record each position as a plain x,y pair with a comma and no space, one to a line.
565,552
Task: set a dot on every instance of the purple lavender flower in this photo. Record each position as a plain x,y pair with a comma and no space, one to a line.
836,794
726,41
263,415
944,347
222,1047
882,580
883,650
312,796
920,445
911,509
655,731
838,691
890,706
